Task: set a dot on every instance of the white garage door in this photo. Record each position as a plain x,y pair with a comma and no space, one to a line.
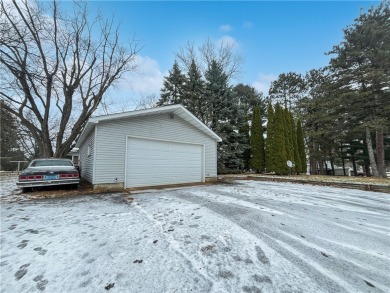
155,162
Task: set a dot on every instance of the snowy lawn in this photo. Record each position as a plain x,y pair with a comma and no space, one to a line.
8,185
243,237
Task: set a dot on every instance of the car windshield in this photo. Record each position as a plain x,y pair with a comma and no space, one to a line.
51,163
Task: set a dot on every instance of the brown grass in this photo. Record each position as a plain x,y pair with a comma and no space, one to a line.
323,178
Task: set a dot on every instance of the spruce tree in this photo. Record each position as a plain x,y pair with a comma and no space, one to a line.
247,154
269,150
172,91
301,147
193,93
279,142
257,142
224,116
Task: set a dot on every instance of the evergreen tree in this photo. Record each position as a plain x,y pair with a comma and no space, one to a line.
172,91
257,142
269,150
362,65
297,159
224,118
279,142
288,135
9,145
325,124
287,89
301,148
193,97
248,98
247,154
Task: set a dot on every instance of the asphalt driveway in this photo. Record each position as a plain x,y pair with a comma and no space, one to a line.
243,237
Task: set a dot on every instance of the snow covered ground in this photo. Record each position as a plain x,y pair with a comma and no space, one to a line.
8,184
243,237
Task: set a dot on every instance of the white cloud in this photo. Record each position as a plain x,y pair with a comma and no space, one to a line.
146,78
228,40
145,81
247,25
263,82
225,28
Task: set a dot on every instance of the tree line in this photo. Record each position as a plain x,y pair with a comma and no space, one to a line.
345,106
237,114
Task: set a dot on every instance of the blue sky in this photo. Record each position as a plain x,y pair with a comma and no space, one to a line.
272,37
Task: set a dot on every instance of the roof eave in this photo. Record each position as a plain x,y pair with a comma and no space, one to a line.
87,129
95,120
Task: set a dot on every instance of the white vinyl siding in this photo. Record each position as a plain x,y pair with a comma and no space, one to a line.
87,151
157,162
112,136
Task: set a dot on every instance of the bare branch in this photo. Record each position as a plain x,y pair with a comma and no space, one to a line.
208,52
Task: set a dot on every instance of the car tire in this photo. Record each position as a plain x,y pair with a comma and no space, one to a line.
26,189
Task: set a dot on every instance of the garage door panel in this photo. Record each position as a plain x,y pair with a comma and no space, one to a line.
154,162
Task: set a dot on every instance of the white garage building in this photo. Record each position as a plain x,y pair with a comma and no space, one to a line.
158,146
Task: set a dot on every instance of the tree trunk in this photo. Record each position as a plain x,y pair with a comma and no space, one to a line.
380,153
312,166
374,168
312,160
326,167
331,163
343,166
342,158
354,166
47,151
366,162
321,167
367,169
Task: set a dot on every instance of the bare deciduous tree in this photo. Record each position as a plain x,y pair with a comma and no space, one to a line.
146,101
210,51
55,69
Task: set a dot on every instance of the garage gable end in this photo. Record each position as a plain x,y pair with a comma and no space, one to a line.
159,147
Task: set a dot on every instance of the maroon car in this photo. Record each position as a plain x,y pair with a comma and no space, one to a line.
49,172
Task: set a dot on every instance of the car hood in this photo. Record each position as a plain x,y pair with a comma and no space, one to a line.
48,169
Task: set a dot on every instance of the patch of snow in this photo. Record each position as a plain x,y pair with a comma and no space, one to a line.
8,185
243,237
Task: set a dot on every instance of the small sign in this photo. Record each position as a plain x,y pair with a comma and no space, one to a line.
289,164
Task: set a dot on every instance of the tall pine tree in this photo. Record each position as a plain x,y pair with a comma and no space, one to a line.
301,148
362,63
288,135
297,159
279,142
172,91
257,142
